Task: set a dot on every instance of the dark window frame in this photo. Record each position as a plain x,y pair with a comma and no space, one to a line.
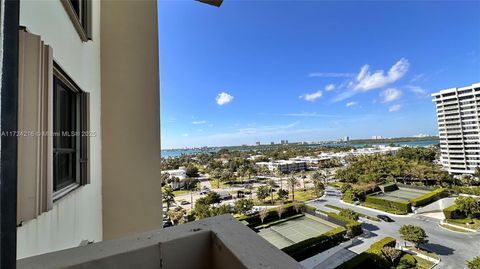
79,148
80,13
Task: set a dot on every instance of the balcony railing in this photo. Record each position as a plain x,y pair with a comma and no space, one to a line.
218,242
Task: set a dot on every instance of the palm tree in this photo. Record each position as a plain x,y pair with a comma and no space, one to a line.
271,185
292,181
280,176
168,196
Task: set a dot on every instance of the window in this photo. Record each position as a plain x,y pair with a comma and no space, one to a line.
79,12
70,144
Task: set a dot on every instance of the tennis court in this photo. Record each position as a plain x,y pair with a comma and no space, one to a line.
403,195
293,231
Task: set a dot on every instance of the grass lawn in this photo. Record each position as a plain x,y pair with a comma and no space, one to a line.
473,223
422,263
453,228
214,185
337,185
180,192
382,208
305,195
424,252
360,214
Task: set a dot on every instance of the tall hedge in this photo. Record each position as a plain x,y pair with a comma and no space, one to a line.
254,219
371,258
353,227
452,212
397,205
311,246
430,197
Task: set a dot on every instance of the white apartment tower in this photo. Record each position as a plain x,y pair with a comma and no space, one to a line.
458,114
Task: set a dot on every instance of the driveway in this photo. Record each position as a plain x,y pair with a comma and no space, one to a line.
452,247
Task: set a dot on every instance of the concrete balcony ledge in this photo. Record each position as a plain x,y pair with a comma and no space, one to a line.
218,242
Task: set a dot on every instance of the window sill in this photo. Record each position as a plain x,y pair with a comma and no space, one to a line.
58,195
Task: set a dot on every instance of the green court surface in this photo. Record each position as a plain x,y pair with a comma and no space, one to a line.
403,195
293,231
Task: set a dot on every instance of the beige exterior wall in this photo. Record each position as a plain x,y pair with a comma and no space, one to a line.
78,216
130,118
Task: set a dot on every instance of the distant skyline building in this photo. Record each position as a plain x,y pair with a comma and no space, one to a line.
458,112
257,143
377,137
284,142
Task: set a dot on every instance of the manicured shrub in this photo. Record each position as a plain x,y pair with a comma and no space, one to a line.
388,187
309,247
404,207
272,215
475,190
452,212
407,261
353,227
430,197
372,257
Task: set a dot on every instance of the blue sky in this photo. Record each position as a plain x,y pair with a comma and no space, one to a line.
309,70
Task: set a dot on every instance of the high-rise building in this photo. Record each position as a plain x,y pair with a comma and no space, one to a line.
458,112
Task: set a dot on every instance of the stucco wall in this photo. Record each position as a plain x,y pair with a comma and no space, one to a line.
130,118
78,216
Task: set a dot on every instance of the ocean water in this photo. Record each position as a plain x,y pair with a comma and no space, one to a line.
179,152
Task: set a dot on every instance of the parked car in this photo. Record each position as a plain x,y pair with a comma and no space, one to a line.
224,195
385,218
184,202
205,191
167,223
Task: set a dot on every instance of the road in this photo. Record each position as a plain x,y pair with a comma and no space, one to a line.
453,248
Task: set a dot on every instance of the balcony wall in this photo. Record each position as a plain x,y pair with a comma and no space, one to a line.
218,242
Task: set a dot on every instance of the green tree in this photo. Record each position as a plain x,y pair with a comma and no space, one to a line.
176,215
271,185
391,253
191,171
167,196
280,210
348,213
202,210
216,174
474,263
242,206
468,205
282,194
262,193
467,179
263,214
413,234
212,198
477,173
221,209
292,182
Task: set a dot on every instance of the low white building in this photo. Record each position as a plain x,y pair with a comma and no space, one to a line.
285,166
176,177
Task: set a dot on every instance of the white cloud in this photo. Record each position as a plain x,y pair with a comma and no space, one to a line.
330,87
395,108
302,114
417,90
390,94
418,77
184,135
366,80
223,98
350,104
199,122
312,96
331,75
